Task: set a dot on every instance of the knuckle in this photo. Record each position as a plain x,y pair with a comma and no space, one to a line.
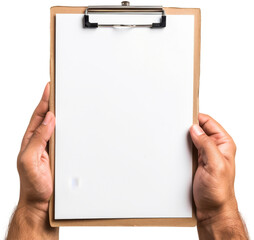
22,161
205,142
38,135
220,168
234,146
206,115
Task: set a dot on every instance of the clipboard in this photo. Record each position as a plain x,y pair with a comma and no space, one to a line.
178,221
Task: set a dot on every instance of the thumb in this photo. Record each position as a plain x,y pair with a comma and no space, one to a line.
42,134
199,138
205,145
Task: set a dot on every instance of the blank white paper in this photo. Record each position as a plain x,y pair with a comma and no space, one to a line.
124,104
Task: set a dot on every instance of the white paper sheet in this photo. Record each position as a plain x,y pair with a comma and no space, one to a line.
124,102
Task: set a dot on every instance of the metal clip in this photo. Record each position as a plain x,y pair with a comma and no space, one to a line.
124,7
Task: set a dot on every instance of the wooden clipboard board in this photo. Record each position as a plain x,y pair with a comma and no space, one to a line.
181,222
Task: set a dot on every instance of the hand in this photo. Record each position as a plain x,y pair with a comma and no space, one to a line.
30,220
33,161
213,187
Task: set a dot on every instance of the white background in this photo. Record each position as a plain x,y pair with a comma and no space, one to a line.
226,93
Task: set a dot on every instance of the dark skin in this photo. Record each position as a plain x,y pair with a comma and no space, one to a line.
30,220
213,188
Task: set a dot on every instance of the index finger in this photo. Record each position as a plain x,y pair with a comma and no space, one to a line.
223,140
37,117
210,126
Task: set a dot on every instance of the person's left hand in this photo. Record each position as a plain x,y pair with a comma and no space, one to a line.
33,161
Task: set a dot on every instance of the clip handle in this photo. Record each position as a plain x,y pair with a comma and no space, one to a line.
125,7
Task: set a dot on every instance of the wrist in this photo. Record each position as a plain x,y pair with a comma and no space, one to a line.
224,226
30,222
222,223
39,208
32,213
230,208
35,220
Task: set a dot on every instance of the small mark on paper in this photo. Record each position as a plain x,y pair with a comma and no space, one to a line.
75,182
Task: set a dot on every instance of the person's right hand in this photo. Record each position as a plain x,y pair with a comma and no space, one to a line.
213,187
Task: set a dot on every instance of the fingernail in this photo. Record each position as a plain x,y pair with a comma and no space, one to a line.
47,119
197,130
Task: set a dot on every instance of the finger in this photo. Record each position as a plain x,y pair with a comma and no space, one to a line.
206,147
37,117
210,126
41,135
222,139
